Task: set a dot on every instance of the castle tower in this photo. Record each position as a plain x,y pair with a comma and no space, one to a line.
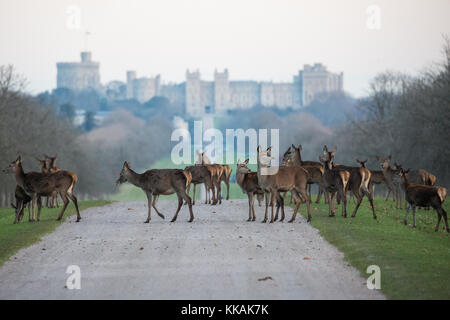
221,91
131,75
193,94
79,75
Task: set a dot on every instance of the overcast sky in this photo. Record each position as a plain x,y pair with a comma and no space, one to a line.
254,39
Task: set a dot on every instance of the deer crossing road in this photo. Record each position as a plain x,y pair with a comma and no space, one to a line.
218,256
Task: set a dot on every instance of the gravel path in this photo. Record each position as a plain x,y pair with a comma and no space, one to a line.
218,256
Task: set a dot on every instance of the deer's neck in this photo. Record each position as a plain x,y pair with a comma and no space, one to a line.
20,176
134,178
240,178
297,161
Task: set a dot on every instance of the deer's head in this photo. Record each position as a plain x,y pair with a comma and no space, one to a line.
384,162
264,157
362,163
123,174
242,168
51,161
328,157
14,166
43,164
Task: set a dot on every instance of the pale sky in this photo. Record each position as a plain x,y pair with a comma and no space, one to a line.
255,39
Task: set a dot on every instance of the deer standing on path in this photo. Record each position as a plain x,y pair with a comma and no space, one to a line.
423,196
201,175
248,181
358,182
155,182
274,180
37,185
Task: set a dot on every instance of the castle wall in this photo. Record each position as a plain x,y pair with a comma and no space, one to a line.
78,75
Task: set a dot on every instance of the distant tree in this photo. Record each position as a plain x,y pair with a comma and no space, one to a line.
89,121
158,102
67,110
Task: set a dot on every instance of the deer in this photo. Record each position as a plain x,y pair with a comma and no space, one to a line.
217,172
392,179
315,169
376,177
37,185
52,168
23,200
418,195
358,182
248,181
274,180
45,165
334,181
226,178
157,182
201,174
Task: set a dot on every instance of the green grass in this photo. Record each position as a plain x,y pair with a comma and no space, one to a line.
13,237
415,263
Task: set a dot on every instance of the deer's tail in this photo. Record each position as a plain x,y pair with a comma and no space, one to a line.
188,176
74,181
442,193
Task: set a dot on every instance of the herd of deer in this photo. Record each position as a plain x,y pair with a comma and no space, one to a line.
32,186
334,181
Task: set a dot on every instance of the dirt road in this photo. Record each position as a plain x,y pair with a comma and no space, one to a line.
219,256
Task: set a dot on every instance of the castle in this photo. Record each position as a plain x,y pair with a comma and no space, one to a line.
199,96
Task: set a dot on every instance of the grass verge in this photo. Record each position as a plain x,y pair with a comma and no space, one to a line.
14,237
414,263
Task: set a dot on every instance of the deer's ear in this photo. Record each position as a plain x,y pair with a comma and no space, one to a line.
300,147
19,159
358,161
325,149
258,149
292,146
37,159
268,149
246,161
239,161
334,150
56,156
125,164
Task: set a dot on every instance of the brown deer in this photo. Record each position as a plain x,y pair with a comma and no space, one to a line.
45,165
334,181
226,178
418,195
37,185
23,200
315,169
392,179
201,175
155,182
274,180
377,176
52,168
248,181
358,182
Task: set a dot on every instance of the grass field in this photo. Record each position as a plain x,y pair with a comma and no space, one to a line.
414,263
16,236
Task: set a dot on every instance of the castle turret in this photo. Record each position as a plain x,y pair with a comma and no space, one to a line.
221,91
193,94
79,75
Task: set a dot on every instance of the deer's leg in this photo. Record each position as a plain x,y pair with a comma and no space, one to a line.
319,193
405,219
227,182
193,199
33,208
189,201
389,192
414,216
369,195
439,216
66,202
344,203
358,203
39,205
266,194
281,200
219,191
155,199
253,208
213,186
444,215
273,199
250,201
180,202
328,200
149,205
75,202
